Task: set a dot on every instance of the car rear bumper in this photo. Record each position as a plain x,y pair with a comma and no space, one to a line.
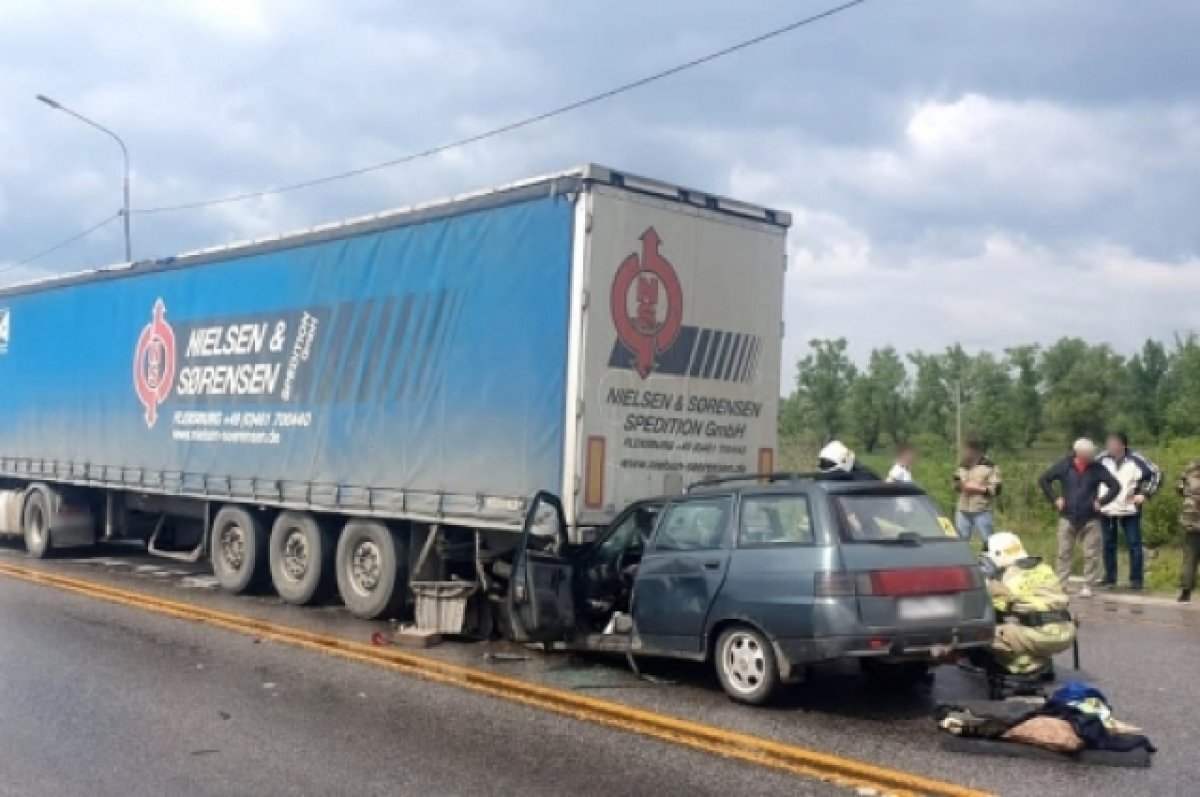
914,644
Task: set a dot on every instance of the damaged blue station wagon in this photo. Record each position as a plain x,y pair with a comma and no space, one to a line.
763,576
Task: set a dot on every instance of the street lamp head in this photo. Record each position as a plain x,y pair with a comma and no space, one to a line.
42,98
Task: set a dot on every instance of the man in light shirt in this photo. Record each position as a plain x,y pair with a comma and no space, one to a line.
977,482
901,472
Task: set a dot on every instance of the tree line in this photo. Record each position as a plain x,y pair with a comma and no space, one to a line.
1010,400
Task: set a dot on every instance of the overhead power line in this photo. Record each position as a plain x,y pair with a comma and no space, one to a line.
517,125
63,243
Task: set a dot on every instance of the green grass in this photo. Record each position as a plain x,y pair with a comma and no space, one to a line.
1023,510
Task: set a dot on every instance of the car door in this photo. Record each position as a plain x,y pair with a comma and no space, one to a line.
541,600
625,540
605,570
777,556
680,575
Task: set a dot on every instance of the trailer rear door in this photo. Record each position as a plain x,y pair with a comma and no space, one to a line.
679,356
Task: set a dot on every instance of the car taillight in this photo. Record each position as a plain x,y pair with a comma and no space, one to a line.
920,581
898,583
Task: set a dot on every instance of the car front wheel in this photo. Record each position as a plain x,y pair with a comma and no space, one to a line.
746,665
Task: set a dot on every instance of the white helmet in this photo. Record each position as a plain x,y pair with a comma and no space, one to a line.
1005,549
835,457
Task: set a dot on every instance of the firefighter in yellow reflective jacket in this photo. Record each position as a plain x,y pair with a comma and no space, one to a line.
1032,620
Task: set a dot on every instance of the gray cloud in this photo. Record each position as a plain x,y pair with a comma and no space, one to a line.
986,170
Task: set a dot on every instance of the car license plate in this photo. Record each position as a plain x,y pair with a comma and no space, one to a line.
931,608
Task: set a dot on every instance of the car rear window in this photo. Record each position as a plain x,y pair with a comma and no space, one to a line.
770,520
888,517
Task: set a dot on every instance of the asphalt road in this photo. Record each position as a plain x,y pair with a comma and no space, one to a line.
100,699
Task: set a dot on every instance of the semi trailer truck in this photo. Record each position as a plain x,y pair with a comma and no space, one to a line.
361,404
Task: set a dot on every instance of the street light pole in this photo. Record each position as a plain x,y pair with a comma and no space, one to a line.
958,415
124,152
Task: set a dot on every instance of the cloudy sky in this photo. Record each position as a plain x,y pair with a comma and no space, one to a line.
986,171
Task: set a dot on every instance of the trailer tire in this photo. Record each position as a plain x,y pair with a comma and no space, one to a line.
238,547
35,523
302,554
371,569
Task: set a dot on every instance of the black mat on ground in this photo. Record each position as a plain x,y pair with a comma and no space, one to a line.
992,747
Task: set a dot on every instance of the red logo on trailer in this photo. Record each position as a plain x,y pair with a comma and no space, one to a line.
645,323
154,363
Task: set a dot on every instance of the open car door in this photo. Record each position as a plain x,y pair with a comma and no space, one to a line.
541,598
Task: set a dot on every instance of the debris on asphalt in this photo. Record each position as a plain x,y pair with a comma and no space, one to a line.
657,681
408,636
224,715
504,657
268,685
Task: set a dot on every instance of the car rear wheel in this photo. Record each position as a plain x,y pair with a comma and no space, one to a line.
746,666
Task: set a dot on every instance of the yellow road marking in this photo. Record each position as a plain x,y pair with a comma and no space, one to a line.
716,741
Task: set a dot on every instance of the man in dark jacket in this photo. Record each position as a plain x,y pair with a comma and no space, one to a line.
1081,479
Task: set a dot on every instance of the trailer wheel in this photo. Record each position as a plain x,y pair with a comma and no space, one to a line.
35,523
371,575
302,558
239,550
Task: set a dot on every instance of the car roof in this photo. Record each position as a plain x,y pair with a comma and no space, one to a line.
785,483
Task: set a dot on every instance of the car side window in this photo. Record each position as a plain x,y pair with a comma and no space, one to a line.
770,520
694,526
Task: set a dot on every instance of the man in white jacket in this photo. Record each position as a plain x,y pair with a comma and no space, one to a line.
1140,479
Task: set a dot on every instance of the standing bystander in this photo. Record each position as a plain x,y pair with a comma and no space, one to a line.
1140,479
1189,519
901,472
977,482
1080,478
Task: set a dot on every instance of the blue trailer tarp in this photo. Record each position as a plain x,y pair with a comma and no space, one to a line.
429,356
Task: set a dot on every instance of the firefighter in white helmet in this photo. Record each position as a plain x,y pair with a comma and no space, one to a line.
836,461
1032,618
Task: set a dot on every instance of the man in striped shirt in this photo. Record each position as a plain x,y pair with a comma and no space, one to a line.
1140,479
